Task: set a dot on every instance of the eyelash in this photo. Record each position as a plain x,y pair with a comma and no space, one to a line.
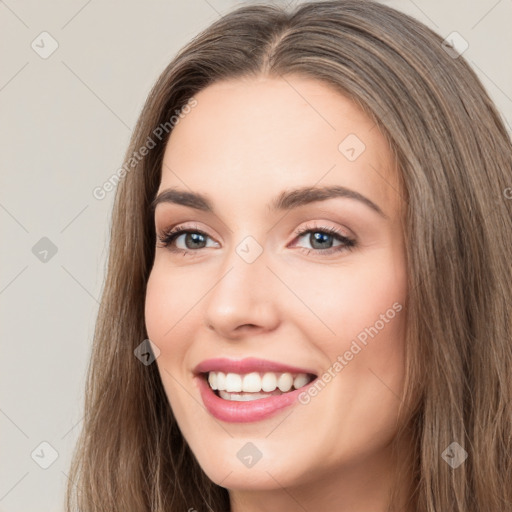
167,239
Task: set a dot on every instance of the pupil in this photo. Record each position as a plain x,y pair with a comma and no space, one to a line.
320,238
196,238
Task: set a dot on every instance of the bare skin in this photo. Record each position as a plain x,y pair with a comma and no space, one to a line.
298,302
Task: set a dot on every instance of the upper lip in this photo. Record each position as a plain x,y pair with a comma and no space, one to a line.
247,365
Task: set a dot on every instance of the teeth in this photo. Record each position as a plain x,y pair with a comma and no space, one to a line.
233,382
256,382
251,383
213,380
269,382
300,380
285,382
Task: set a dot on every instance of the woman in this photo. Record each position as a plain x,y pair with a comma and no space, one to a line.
313,230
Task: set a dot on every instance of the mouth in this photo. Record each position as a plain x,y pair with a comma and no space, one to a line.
250,390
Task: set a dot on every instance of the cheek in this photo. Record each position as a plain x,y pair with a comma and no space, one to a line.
168,305
156,307
351,300
167,316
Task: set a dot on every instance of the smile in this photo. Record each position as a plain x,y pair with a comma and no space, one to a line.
249,390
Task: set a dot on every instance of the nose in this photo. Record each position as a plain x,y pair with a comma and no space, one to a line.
243,300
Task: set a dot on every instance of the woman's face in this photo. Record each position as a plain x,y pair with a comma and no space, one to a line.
249,286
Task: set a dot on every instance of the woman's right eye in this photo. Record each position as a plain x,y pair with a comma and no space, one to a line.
193,239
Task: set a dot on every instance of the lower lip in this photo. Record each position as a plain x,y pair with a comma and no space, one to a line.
245,412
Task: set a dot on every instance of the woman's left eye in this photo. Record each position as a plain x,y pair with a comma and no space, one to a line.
321,240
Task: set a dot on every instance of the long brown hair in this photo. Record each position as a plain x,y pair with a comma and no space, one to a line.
455,161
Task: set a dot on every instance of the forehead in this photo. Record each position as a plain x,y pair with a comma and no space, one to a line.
262,135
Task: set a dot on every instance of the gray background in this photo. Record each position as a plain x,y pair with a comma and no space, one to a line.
65,125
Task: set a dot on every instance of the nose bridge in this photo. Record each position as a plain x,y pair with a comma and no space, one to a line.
243,294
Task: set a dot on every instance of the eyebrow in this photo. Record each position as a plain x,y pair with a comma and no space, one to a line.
287,200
